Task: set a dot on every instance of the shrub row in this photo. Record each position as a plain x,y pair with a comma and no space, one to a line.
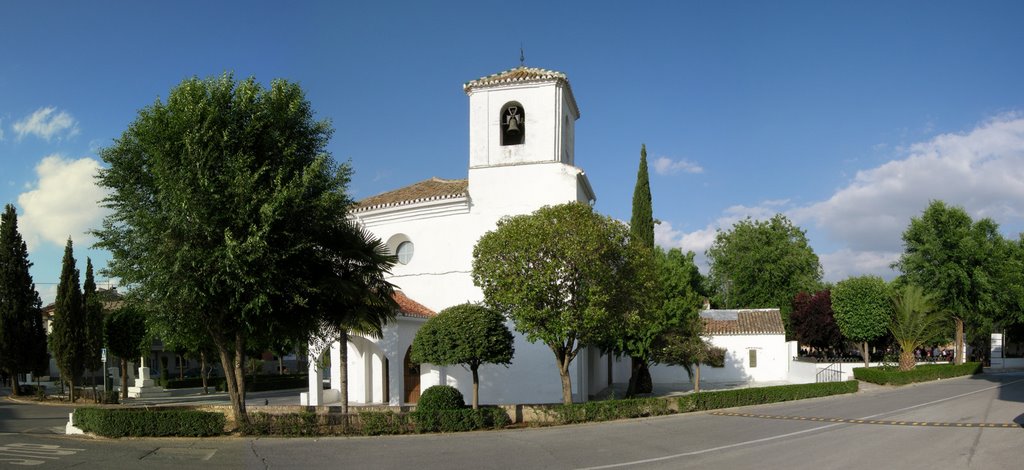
762,395
894,376
268,382
373,423
137,422
608,410
641,407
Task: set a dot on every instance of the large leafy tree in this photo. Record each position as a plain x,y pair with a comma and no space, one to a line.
676,300
813,322
862,309
93,311
126,337
915,322
644,322
762,264
228,213
68,339
468,334
22,339
562,274
962,263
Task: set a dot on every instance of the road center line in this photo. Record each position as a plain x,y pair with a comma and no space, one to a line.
782,436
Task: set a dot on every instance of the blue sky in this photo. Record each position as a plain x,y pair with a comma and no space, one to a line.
848,117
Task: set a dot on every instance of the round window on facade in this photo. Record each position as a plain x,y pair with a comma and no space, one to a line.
404,252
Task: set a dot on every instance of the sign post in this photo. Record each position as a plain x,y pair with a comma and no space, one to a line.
103,357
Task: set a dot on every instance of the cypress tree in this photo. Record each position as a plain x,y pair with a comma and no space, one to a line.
641,224
20,316
68,337
641,234
93,311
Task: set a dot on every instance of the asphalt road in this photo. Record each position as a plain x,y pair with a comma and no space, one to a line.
971,422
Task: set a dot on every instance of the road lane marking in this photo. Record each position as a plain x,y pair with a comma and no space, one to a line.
26,454
782,436
861,421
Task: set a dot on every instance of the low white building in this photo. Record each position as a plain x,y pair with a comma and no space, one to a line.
755,348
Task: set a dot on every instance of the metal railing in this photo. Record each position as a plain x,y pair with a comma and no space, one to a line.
832,373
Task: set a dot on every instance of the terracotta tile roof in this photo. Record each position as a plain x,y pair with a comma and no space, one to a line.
519,74
765,321
411,308
427,190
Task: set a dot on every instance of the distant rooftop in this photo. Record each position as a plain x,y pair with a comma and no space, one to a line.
426,190
763,321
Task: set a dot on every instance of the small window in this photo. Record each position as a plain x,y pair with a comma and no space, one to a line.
753,358
513,124
404,252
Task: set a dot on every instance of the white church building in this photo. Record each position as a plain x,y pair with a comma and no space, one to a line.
521,158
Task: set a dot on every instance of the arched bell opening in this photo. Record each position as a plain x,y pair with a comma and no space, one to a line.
513,124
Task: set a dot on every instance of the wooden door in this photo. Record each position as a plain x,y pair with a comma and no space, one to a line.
411,379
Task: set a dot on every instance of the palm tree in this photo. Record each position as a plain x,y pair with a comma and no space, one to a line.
370,304
915,322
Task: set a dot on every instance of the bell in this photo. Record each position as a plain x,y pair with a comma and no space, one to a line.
513,124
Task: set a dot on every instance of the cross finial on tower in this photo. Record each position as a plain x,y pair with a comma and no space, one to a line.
522,57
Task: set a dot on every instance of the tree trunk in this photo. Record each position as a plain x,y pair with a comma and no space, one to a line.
563,359
696,378
634,376
202,372
907,361
124,379
280,364
566,385
15,386
476,386
71,389
867,358
958,344
343,358
181,368
233,359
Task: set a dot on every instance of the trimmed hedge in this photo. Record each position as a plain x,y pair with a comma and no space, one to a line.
761,395
642,407
374,423
924,373
267,382
139,422
440,397
608,410
466,419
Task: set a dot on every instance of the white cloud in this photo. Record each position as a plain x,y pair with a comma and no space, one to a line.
668,166
698,241
63,202
845,263
47,123
981,170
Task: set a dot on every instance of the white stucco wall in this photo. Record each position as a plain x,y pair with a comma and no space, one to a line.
772,361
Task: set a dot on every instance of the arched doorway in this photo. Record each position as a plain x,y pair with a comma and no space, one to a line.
411,379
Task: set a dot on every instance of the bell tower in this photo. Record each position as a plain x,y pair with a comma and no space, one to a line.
521,116
522,144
